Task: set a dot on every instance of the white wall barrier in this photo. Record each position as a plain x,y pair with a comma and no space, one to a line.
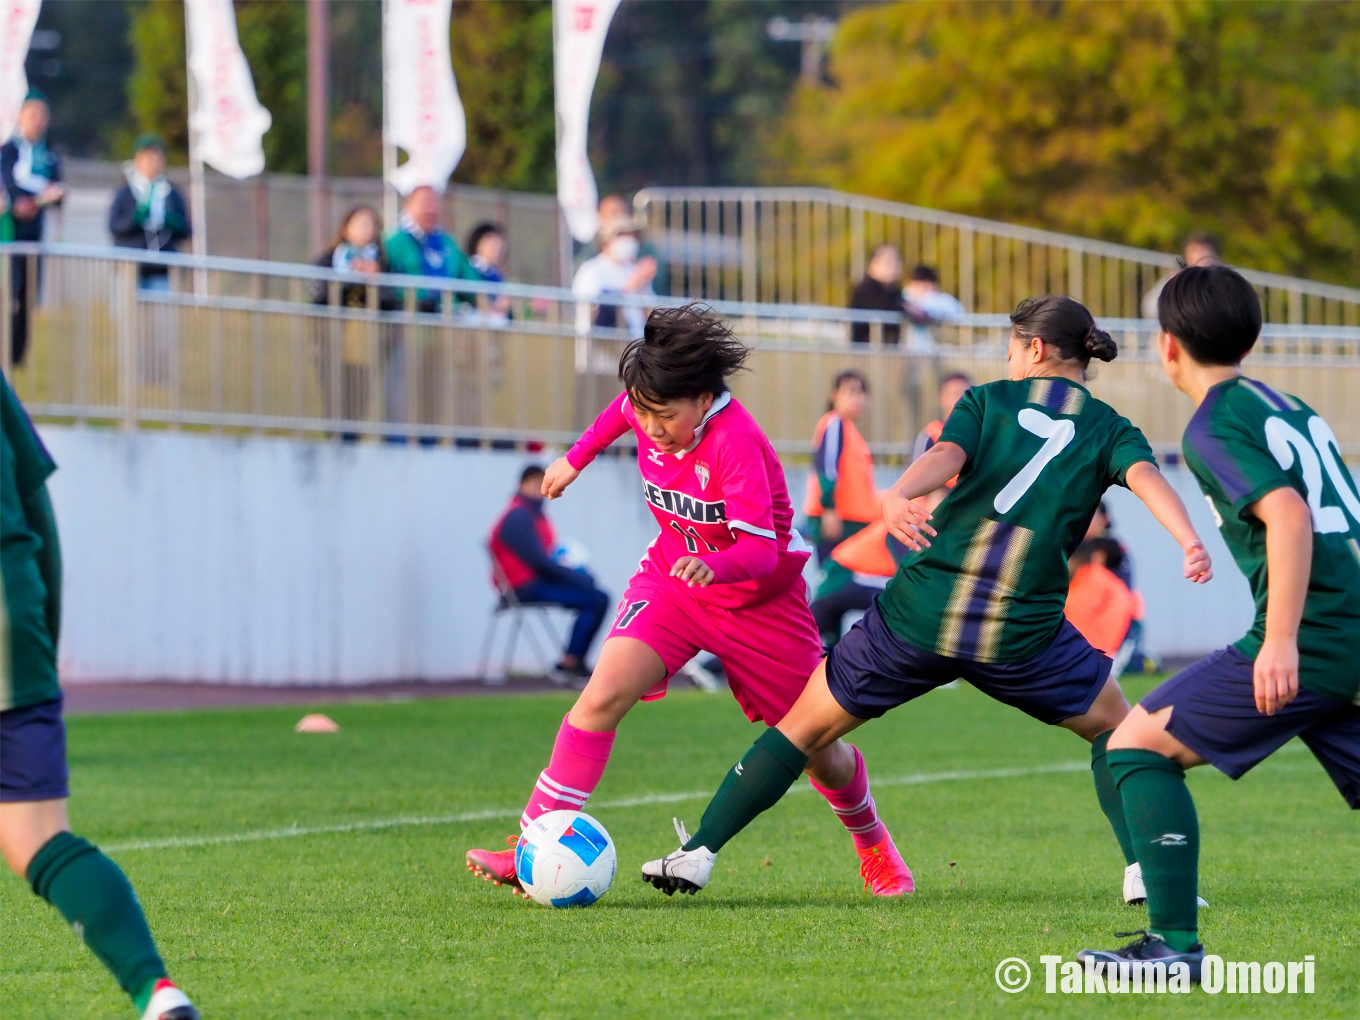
262,560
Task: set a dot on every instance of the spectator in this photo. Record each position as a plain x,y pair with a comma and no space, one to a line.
421,247
523,546
1102,548
486,251
928,307
879,291
6,220
615,207
841,495
148,211
617,270
1200,249
357,248
31,177
952,387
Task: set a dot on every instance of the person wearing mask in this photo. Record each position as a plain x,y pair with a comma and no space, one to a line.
879,291
523,545
421,247
1200,249
31,177
952,387
616,207
617,270
841,495
928,306
148,212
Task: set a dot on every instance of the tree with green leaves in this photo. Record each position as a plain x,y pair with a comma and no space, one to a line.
1132,120
274,39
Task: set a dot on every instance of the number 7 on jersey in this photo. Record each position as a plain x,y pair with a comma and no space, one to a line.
1056,433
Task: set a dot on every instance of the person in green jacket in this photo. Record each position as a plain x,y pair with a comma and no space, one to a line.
421,247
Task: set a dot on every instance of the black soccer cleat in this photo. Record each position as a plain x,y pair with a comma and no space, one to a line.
1149,948
670,885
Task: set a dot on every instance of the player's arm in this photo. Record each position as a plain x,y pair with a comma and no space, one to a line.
905,518
1148,484
611,424
749,502
1289,563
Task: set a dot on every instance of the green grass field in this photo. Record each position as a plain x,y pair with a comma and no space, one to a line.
376,921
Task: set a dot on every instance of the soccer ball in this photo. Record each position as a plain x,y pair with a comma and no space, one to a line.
565,859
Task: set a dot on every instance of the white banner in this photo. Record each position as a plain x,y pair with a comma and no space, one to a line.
579,28
424,115
228,121
16,30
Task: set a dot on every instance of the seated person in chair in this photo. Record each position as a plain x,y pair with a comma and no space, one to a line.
522,544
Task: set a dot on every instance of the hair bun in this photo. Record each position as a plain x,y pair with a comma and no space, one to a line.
1100,345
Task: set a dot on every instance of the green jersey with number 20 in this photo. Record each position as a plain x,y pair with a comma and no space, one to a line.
1245,441
992,585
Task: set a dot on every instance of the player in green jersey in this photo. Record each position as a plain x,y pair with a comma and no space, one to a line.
984,601
1289,511
89,890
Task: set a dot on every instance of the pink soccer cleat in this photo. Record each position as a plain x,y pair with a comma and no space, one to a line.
884,871
497,866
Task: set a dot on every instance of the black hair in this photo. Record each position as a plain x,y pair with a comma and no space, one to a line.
849,375
954,377
924,274
683,353
478,232
1213,311
1066,325
1203,237
531,471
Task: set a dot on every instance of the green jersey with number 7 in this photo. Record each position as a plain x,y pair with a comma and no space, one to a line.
1247,440
991,587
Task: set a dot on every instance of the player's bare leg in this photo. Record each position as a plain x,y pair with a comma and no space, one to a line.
626,670
93,895
806,739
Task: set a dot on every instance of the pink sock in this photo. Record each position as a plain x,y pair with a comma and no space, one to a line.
854,806
578,762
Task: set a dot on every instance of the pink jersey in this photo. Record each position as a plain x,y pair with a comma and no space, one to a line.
728,486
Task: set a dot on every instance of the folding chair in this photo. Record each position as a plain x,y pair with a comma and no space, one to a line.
508,604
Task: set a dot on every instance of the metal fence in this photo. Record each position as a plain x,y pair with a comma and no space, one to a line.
237,345
271,216
810,245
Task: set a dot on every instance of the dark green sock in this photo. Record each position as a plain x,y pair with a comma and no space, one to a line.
755,783
1108,795
1165,833
97,900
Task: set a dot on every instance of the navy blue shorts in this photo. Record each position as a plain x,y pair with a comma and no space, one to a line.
1215,715
873,670
33,753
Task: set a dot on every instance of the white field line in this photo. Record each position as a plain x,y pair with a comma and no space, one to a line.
261,835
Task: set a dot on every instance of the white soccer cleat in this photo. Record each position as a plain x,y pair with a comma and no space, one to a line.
685,870
169,1003
1135,892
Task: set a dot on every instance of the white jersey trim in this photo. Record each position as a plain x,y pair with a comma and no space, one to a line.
718,405
751,529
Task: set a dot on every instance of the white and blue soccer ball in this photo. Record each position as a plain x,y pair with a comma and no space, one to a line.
565,859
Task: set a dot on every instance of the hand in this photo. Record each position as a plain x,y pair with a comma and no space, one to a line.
364,266
559,475
906,519
693,571
25,208
1275,676
1198,567
52,194
832,529
643,275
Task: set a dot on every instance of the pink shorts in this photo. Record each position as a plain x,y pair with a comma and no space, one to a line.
767,651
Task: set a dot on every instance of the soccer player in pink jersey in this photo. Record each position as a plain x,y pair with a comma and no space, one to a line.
724,575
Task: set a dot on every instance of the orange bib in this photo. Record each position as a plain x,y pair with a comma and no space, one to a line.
856,495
